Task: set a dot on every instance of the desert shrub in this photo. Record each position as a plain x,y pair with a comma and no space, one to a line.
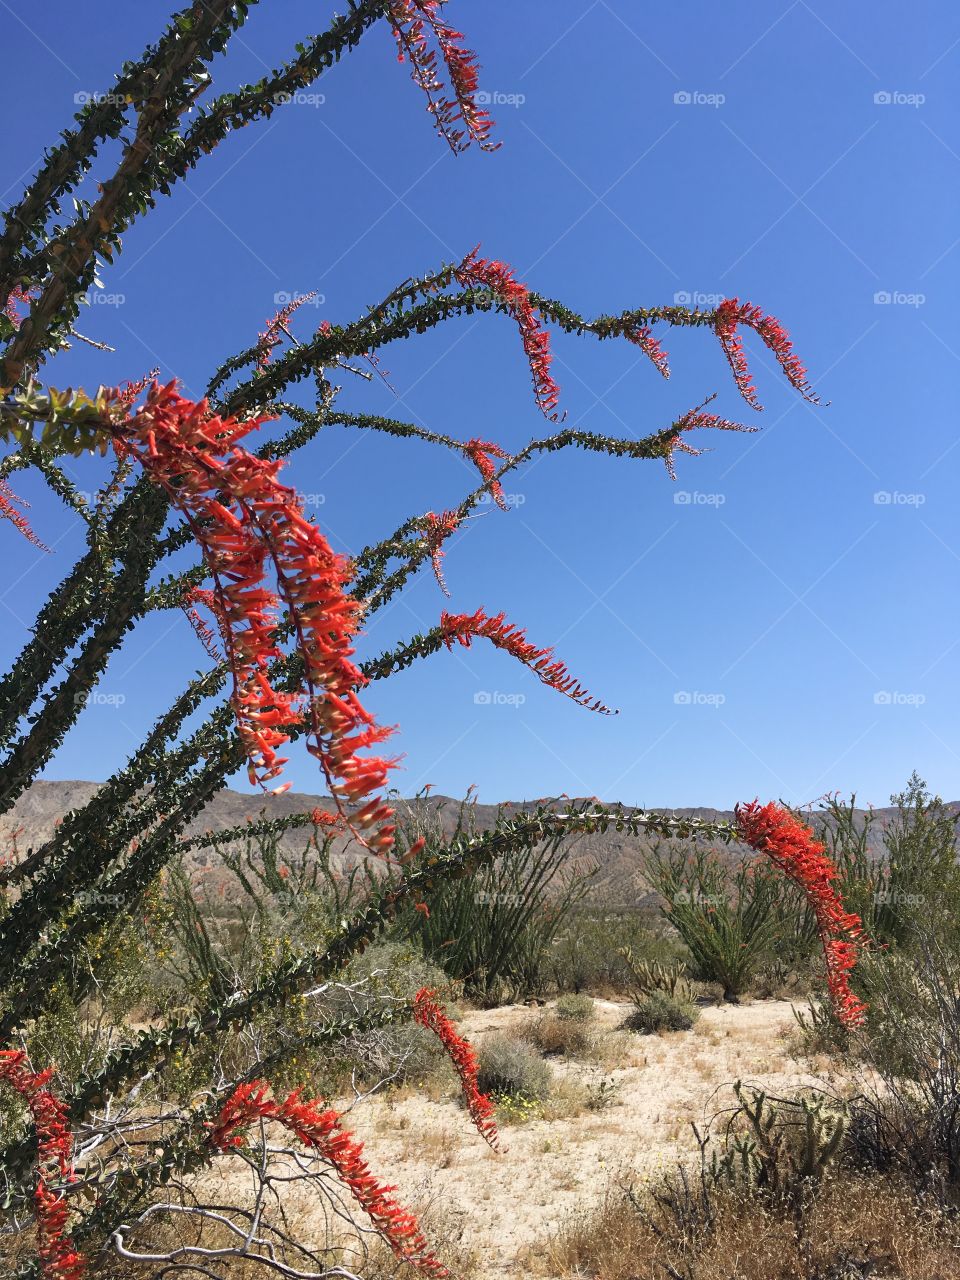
659,1011
492,931
575,1007
552,1035
585,954
509,1068
857,1227
913,873
729,914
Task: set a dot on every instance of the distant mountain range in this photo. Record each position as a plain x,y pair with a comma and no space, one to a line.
619,856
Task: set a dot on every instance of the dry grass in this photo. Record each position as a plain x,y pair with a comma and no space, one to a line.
858,1228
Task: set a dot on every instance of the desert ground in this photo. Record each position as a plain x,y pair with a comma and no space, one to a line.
501,1205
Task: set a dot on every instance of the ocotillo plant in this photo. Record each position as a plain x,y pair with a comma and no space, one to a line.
279,611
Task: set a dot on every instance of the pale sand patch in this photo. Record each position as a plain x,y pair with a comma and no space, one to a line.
554,1167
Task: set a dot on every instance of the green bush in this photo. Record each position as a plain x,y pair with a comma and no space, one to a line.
508,1067
659,1011
492,930
575,1007
585,954
730,915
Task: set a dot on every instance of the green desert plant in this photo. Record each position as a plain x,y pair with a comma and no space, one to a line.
507,1067
492,932
586,953
658,1011
783,1146
575,1007
728,914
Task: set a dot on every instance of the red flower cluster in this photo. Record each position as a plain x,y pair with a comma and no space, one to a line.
642,337
8,511
732,313
271,335
697,420
792,847
245,521
481,453
439,528
515,297
58,1258
414,21
429,1013
319,1128
464,626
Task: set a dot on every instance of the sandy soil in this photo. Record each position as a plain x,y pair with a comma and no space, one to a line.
556,1166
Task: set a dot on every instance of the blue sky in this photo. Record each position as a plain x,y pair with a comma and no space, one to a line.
779,621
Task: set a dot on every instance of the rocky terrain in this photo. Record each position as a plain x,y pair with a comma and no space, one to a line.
618,856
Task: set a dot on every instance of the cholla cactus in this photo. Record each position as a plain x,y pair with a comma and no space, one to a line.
782,1145
649,977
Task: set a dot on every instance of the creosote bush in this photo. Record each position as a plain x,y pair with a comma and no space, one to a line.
509,1068
575,1007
